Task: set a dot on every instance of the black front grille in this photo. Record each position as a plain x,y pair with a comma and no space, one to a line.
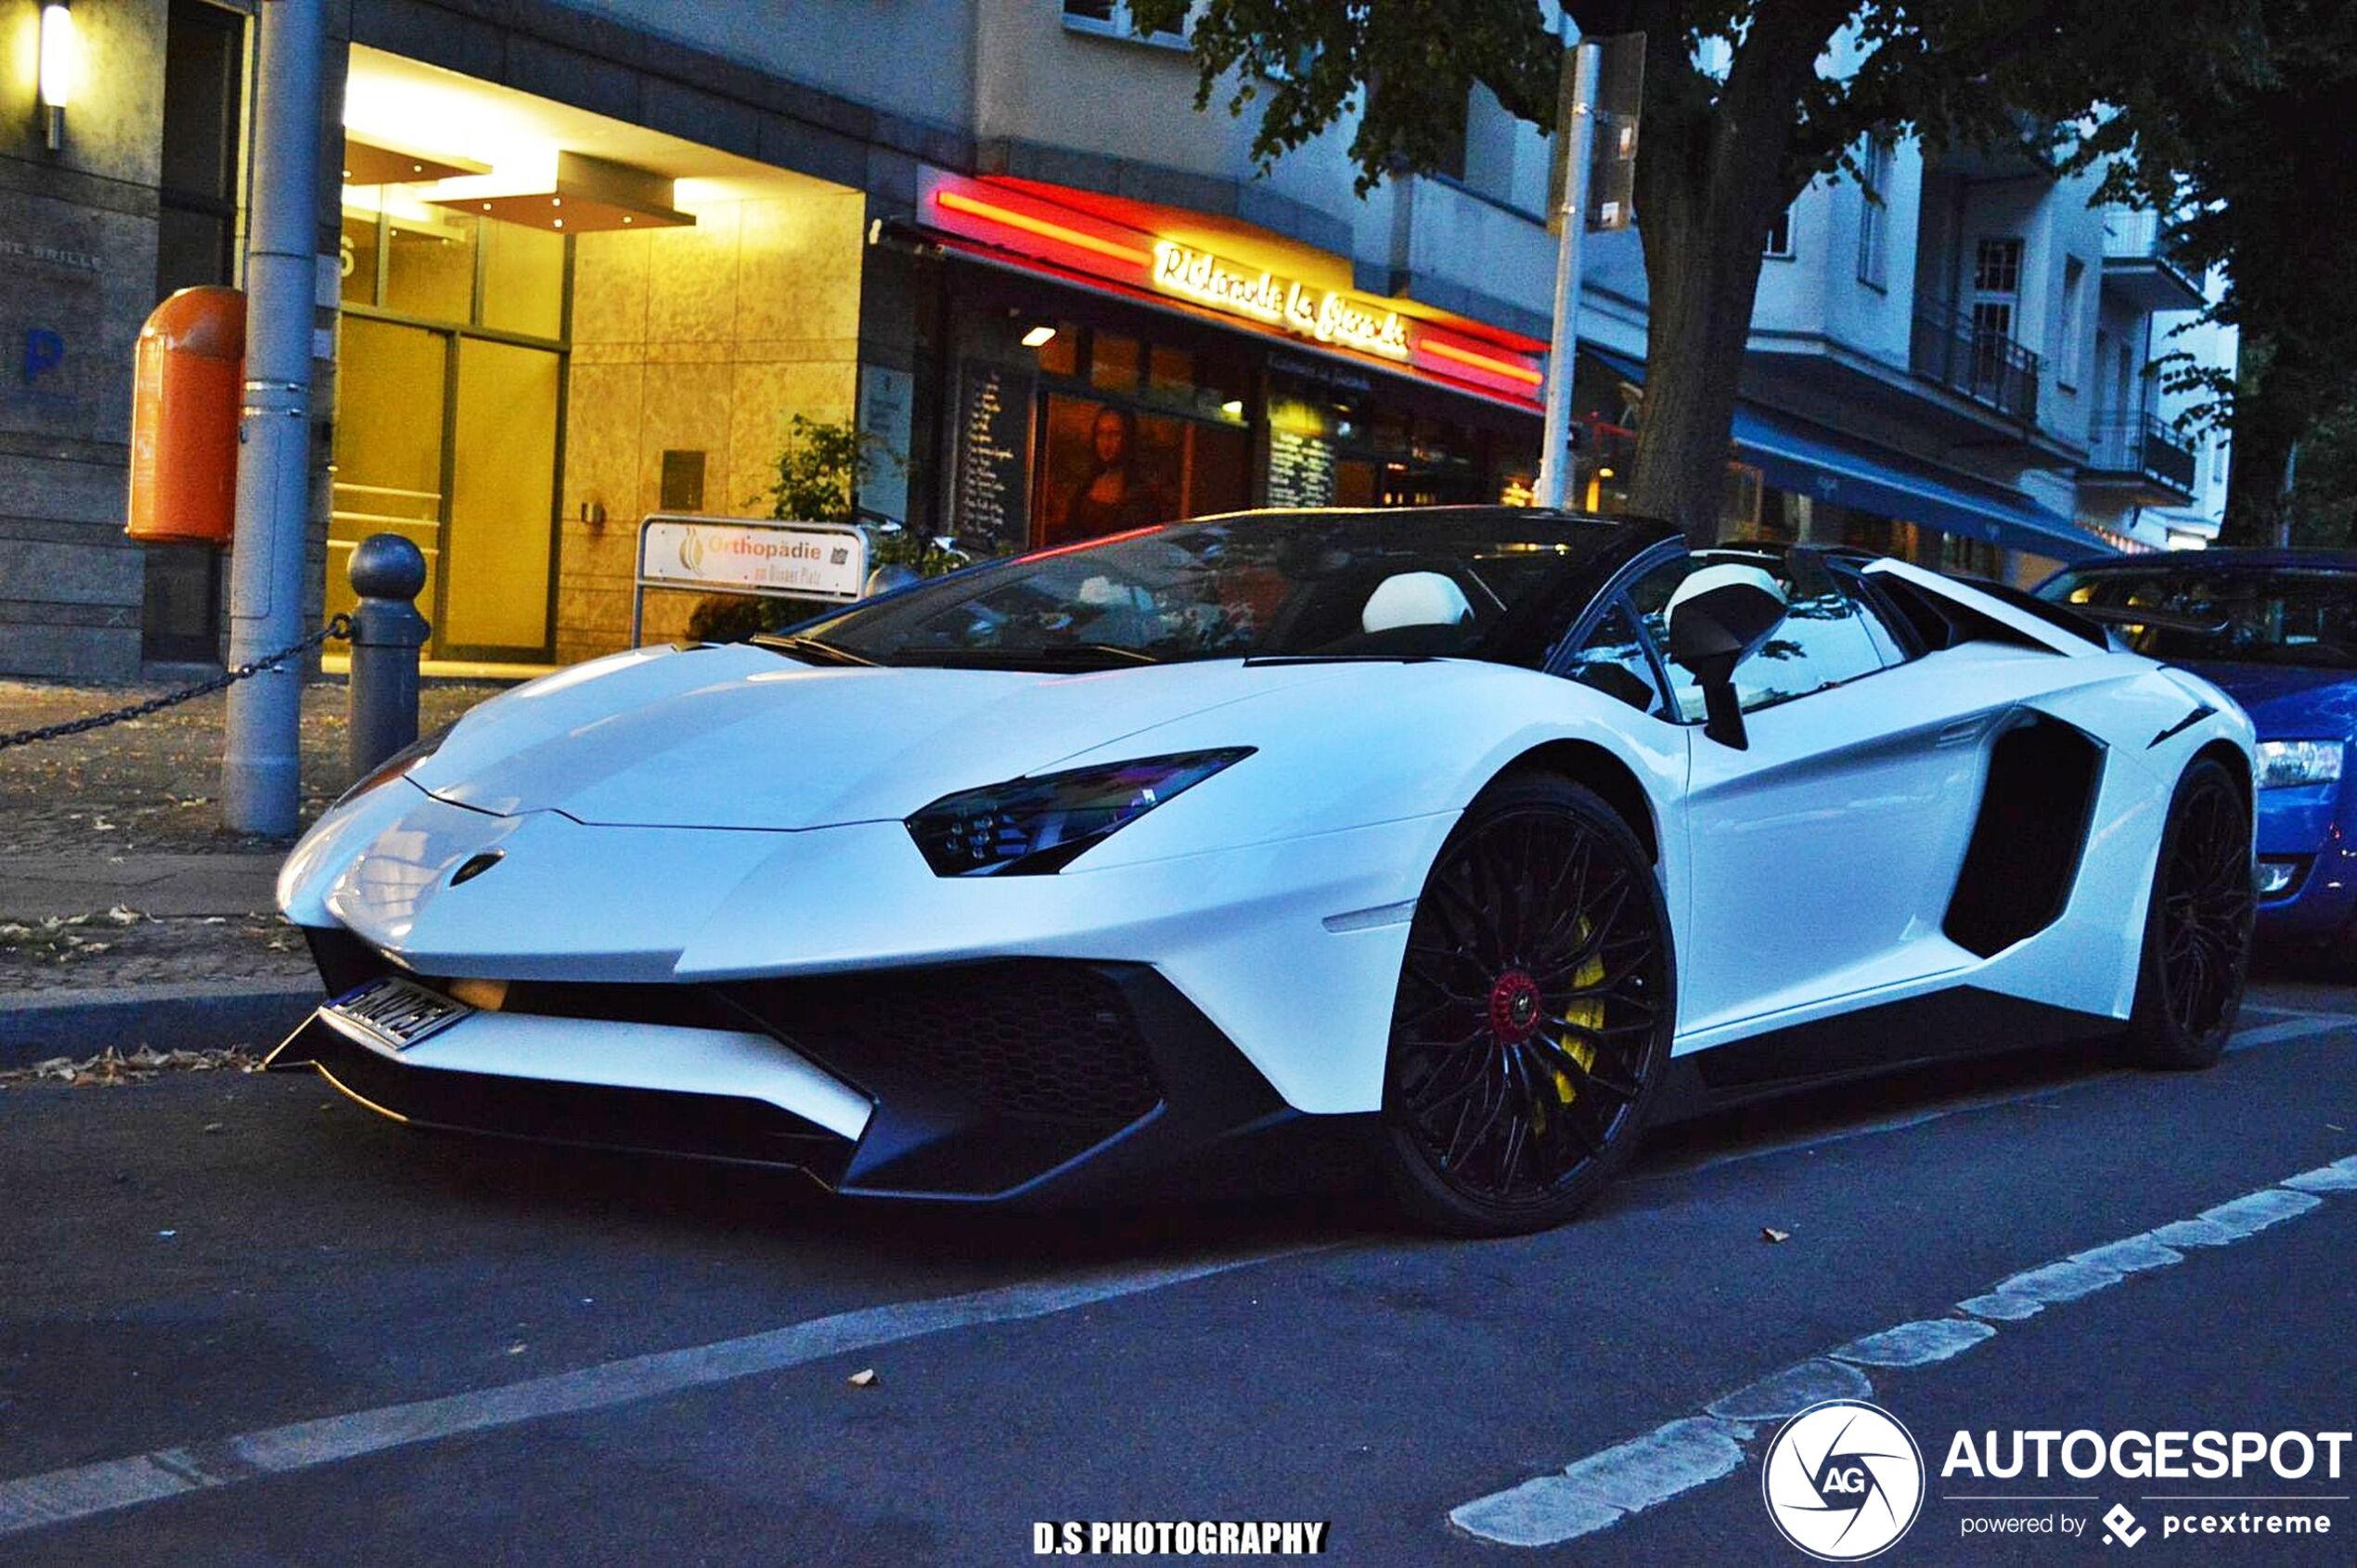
1034,1040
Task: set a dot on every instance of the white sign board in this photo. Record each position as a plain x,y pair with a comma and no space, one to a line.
826,560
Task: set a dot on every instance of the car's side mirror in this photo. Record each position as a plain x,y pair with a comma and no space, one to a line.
1713,631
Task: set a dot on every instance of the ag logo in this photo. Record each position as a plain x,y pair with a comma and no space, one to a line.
1844,1480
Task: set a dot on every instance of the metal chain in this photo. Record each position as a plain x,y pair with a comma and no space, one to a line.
337,626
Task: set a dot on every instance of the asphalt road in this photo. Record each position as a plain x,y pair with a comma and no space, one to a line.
306,1335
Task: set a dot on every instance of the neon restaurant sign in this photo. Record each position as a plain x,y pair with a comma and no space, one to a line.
1022,225
1328,316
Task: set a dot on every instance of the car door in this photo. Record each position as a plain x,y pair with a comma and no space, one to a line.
1823,851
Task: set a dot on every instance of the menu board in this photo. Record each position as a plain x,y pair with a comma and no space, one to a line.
994,444
1301,470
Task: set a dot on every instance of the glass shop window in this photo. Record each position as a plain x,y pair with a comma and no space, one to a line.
1107,467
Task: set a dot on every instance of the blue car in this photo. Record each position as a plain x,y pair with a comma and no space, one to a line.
2277,629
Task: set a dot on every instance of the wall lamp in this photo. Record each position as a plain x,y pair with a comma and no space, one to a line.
57,68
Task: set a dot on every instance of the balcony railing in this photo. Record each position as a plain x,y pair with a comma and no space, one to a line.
2136,234
1986,367
2141,445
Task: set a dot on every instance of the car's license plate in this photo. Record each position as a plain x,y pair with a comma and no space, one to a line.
397,1013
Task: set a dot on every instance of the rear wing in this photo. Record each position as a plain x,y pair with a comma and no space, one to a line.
1948,611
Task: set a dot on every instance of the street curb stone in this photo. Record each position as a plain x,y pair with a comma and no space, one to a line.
203,1015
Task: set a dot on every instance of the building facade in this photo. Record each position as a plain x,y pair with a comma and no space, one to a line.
586,262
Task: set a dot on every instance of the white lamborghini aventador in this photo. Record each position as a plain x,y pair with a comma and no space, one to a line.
1473,838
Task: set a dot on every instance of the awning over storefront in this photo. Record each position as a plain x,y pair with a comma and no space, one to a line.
1796,456
1845,474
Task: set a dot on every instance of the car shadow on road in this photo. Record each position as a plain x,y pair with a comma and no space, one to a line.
1284,1210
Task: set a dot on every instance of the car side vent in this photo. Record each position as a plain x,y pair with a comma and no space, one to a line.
2027,843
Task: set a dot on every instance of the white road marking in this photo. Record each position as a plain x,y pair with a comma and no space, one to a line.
1608,1486
1915,1344
84,1490
2338,1177
1790,1392
2295,1028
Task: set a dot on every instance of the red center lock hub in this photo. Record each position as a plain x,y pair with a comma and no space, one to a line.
1514,1006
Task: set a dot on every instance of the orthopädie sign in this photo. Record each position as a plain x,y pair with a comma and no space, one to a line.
1328,316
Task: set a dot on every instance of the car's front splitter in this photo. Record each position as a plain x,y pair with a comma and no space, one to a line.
1033,1081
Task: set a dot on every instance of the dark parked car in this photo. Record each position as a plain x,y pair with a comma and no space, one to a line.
2277,629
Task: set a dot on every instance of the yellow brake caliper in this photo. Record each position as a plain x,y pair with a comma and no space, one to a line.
1587,1014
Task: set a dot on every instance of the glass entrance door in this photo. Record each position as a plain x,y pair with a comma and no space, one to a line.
390,407
501,535
450,396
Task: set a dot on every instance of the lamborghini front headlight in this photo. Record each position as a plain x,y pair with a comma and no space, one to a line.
1033,826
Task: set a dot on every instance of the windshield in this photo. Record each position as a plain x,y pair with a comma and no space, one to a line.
1318,585
2264,616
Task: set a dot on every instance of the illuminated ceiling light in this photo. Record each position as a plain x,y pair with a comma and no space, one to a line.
60,64
1038,336
1605,473
371,160
556,201
559,222
1233,409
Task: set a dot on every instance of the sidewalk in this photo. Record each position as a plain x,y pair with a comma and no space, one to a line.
129,916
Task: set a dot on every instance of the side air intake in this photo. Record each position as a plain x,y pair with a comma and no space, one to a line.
2028,840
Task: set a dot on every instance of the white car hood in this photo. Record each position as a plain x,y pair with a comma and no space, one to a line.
741,737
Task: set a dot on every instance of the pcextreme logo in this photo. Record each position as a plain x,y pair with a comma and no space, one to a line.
1844,1480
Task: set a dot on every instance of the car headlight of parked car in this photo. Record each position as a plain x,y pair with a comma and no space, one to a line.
2283,763
1034,826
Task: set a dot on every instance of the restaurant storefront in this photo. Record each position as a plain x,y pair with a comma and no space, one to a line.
1109,362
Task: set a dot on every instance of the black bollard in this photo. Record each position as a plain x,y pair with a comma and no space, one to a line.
387,631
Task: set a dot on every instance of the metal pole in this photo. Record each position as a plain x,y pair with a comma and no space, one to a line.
1554,458
260,769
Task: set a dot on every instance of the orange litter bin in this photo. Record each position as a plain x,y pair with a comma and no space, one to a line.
188,380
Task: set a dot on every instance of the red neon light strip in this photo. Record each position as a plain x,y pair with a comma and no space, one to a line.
1480,361
1042,227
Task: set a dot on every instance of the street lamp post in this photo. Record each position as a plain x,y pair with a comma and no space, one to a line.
260,769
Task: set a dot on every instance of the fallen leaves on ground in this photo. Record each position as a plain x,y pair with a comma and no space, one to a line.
1770,1233
110,1068
58,937
864,1378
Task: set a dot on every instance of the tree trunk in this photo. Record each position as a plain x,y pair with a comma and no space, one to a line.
1701,293
1712,177
2269,420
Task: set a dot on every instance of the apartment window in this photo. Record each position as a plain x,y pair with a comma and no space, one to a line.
1873,215
196,206
2067,332
1996,287
1779,236
1113,18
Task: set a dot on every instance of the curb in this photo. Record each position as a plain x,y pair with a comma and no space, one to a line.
204,1015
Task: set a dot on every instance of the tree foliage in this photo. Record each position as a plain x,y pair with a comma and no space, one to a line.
1739,115
2257,154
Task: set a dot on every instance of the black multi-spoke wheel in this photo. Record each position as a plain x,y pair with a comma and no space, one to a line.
2197,933
1533,1014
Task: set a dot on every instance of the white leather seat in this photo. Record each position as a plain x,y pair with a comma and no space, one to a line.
1415,599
